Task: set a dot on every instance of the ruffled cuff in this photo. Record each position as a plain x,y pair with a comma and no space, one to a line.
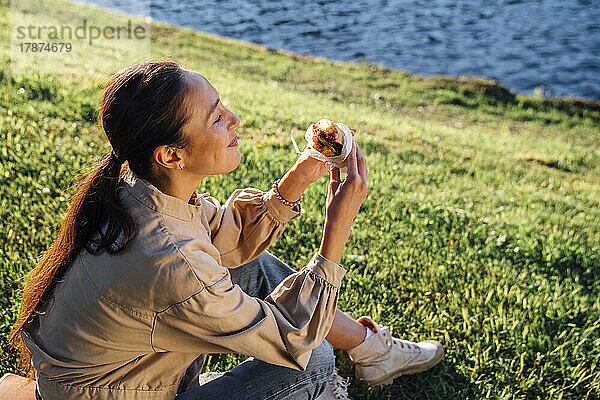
280,211
331,272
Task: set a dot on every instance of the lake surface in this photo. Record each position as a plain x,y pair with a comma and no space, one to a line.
523,44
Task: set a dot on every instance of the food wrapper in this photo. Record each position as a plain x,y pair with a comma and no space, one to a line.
335,161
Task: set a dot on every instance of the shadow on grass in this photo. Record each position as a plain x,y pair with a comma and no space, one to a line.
474,93
565,258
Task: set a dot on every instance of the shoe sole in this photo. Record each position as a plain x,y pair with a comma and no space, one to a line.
415,370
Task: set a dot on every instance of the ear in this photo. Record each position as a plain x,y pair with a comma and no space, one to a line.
167,156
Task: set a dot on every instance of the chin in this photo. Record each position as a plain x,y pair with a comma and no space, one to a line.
236,161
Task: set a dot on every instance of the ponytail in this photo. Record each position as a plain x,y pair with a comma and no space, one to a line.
94,220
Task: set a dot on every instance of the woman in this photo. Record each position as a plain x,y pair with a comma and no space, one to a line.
146,275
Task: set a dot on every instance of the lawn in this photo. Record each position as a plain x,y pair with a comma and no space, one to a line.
481,228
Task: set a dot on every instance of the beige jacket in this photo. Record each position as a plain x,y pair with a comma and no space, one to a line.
127,326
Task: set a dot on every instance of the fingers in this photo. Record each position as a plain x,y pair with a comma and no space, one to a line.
352,163
335,174
335,180
362,164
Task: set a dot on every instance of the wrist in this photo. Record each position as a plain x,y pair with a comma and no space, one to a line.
297,174
334,241
293,185
336,233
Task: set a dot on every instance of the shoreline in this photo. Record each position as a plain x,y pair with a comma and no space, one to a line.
582,101
513,81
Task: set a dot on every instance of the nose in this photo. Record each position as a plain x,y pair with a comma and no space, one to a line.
235,121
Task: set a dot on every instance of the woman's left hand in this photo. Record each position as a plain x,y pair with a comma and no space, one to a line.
310,169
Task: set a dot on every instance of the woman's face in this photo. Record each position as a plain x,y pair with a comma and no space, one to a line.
211,129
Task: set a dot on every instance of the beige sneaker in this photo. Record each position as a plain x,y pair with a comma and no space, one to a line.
382,357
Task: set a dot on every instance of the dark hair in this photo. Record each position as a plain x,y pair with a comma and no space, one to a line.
141,109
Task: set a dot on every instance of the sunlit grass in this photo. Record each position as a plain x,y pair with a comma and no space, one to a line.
481,228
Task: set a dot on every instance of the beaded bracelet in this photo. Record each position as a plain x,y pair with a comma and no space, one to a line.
295,204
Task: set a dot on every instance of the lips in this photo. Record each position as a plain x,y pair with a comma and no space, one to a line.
233,142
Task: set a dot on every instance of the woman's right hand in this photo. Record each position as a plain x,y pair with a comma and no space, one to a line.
344,199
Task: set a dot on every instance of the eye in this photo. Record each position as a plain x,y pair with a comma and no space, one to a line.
218,119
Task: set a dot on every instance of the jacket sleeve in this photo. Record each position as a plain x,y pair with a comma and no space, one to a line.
246,224
282,329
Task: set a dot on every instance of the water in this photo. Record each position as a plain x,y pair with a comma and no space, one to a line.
525,44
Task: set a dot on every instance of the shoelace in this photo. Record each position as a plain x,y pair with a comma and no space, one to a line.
395,341
410,345
339,386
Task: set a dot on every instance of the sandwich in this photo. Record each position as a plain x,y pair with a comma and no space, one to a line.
325,137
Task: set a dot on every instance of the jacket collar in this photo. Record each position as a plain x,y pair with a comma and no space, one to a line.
153,198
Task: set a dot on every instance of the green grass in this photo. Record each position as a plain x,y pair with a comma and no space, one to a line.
481,228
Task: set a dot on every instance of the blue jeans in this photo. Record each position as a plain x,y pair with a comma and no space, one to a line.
254,379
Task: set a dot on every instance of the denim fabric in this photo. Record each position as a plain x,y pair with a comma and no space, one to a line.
254,379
